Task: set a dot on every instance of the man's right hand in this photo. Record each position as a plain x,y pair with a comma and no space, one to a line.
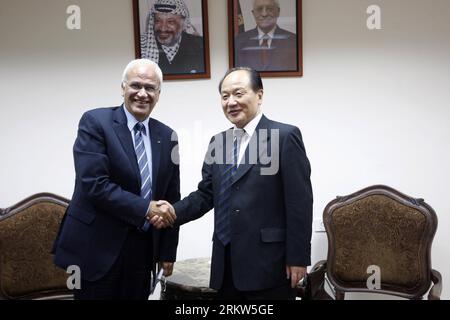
161,214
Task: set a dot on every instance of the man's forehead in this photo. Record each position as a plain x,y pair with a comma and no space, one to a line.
168,15
260,3
235,86
142,78
236,80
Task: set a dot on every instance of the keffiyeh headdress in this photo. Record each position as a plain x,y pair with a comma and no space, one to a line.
149,48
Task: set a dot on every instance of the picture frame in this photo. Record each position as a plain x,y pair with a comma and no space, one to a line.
179,44
267,38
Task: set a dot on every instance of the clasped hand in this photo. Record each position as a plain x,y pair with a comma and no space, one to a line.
161,214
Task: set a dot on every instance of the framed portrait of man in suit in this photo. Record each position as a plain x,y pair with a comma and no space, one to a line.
174,34
266,35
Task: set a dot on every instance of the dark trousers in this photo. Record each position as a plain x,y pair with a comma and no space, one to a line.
129,277
228,290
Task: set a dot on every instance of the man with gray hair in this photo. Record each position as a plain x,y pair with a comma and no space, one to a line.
171,40
267,47
123,160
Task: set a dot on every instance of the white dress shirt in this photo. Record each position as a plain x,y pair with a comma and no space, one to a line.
261,36
249,131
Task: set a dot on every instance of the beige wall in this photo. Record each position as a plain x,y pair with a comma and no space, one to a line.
373,106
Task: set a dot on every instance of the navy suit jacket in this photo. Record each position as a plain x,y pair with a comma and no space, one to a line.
281,56
271,215
106,203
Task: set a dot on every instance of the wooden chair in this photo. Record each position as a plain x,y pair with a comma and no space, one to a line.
27,232
378,232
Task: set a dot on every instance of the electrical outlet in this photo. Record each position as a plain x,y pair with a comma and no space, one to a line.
318,225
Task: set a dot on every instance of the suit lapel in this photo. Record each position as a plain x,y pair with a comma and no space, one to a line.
155,140
122,131
222,152
254,146
254,37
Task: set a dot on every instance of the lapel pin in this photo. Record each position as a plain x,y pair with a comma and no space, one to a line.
159,141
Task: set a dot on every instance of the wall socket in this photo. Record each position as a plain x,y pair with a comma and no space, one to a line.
318,225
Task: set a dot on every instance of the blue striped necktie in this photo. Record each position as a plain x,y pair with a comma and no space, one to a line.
141,155
223,212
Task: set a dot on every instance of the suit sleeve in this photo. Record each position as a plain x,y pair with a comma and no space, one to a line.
169,236
199,202
92,170
298,198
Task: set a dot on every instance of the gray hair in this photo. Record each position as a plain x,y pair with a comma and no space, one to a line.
143,62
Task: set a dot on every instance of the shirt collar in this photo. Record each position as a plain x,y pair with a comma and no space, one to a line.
262,33
131,121
251,126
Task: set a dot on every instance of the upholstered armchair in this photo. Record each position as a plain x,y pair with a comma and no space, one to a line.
27,232
379,241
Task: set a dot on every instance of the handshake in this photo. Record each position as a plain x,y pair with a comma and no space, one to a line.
161,214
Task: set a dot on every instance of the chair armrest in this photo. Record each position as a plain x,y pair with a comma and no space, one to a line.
436,289
319,266
312,286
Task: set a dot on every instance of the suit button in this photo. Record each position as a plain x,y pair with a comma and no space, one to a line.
237,188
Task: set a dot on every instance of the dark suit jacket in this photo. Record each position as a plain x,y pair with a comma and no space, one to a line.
190,57
106,204
271,215
281,56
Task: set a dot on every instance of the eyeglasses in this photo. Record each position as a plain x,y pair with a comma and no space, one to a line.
268,9
135,86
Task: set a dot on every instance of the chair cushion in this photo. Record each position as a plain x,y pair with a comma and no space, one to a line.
26,239
377,230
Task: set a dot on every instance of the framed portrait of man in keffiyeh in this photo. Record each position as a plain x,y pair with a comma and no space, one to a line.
174,34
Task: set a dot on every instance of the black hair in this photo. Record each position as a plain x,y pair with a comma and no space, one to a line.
255,79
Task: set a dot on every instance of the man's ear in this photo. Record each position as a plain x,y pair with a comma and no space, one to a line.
122,86
260,94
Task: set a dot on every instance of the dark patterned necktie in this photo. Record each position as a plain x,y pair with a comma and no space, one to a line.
141,155
264,49
223,212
